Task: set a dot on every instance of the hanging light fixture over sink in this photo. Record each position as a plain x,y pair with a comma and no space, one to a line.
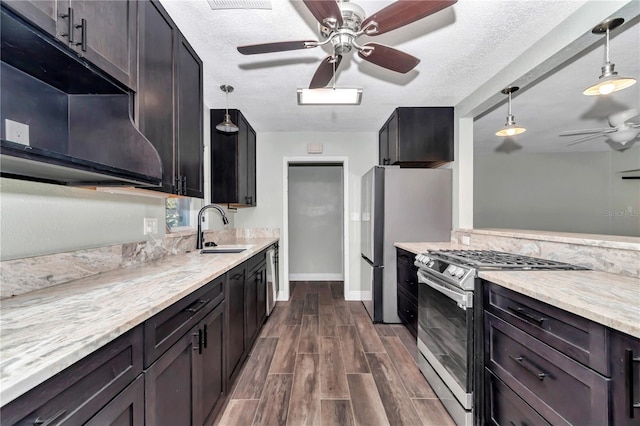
227,125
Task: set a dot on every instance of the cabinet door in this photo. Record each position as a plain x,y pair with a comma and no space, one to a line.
235,320
425,135
42,13
155,88
393,139
126,409
383,145
243,153
169,384
210,368
261,296
189,103
251,167
625,379
250,307
106,34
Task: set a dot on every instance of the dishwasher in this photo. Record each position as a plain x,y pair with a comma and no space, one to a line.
272,277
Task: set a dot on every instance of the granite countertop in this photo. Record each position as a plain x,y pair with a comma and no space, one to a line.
45,331
609,299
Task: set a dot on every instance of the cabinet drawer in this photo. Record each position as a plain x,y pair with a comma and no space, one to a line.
255,262
574,336
405,257
408,280
408,311
503,407
77,393
560,389
165,328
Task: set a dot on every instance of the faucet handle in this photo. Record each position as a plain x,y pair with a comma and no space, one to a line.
210,244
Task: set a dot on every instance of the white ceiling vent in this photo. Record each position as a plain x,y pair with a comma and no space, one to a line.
239,4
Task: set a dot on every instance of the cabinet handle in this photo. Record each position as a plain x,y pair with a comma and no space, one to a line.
50,421
521,361
184,185
526,315
199,336
83,35
629,362
236,276
409,282
69,17
248,200
204,339
201,304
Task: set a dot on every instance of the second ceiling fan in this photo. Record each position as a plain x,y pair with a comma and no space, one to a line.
342,22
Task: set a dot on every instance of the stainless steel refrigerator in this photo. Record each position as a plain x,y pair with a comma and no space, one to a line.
398,205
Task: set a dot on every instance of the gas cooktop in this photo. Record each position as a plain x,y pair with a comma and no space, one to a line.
490,259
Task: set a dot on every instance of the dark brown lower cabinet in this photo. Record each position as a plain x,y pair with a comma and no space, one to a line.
504,407
261,297
235,341
625,378
126,409
407,293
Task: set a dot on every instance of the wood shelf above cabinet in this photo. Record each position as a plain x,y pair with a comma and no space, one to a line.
233,162
417,137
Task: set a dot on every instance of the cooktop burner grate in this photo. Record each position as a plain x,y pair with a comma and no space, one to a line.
481,259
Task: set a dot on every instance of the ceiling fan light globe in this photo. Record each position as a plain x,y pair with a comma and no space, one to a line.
624,135
609,85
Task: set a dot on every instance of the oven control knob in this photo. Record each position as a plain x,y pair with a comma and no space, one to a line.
431,263
452,270
459,272
425,259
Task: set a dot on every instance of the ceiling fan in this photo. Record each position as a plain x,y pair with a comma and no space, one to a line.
621,131
342,22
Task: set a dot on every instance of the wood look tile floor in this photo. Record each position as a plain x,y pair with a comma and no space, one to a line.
320,361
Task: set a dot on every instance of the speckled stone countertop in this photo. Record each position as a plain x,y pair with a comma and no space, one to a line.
45,331
609,299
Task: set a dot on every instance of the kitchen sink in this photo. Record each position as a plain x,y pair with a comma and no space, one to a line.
219,250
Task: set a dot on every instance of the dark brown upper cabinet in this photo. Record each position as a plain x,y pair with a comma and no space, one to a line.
169,101
417,137
103,32
233,162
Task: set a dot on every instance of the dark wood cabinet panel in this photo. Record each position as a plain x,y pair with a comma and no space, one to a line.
79,392
235,340
170,100
408,311
417,137
560,389
210,380
504,407
233,161
103,32
407,282
250,307
625,379
261,296
126,409
169,384
190,127
574,336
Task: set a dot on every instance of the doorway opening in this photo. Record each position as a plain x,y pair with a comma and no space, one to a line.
315,224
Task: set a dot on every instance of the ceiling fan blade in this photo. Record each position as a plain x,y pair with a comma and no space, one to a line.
584,139
585,131
280,46
404,12
388,57
324,73
324,9
629,171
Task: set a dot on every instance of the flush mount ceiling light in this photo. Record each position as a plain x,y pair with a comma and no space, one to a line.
510,128
329,96
609,81
227,125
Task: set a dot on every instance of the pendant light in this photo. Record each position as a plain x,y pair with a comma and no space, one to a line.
609,81
510,128
227,125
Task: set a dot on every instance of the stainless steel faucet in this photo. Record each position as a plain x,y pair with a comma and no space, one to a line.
200,235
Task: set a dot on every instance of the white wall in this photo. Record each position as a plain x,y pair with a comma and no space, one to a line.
316,217
362,152
570,192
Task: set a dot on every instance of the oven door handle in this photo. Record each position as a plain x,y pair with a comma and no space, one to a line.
460,298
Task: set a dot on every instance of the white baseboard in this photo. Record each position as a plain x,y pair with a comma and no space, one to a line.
316,277
282,296
357,295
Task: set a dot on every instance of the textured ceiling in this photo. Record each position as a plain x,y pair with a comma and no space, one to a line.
461,48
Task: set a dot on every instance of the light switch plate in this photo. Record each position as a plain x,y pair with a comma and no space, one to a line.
16,132
150,225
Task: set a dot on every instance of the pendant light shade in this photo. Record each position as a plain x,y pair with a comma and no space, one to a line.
609,81
510,128
227,125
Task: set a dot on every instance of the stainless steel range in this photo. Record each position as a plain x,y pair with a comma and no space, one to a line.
447,324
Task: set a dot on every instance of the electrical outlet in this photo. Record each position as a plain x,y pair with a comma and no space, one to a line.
16,132
150,225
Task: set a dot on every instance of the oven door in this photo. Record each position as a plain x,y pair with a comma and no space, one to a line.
445,333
